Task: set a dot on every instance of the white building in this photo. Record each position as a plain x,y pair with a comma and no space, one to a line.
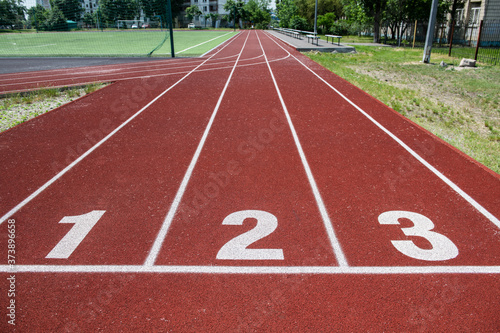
44,3
90,5
207,7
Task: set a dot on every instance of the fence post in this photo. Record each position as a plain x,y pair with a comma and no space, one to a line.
478,39
451,36
170,27
414,34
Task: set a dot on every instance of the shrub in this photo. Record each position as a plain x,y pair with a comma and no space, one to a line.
299,23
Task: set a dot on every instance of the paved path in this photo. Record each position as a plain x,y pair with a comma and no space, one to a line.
303,45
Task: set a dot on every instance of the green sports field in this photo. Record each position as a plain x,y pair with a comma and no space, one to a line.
125,43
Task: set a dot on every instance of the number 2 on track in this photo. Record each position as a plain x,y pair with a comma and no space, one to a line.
236,248
83,224
442,247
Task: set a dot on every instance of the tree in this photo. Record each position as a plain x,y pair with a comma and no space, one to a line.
154,8
235,9
114,10
258,13
213,18
375,10
11,12
192,12
401,14
326,21
285,10
89,19
37,17
354,13
56,20
299,23
306,8
71,9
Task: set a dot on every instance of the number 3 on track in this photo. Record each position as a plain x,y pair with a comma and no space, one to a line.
442,247
236,248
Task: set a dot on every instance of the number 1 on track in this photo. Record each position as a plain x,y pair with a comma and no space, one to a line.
83,224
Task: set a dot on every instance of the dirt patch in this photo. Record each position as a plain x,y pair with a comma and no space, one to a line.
442,94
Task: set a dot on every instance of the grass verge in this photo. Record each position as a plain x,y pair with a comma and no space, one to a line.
461,106
18,108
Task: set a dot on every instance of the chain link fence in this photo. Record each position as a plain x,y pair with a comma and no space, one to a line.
472,40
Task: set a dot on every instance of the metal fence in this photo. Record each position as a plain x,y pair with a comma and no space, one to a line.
480,41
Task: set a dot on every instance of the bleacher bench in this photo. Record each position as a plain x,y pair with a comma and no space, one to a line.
332,37
289,32
313,38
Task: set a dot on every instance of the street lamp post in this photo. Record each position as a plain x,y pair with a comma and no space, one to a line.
315,18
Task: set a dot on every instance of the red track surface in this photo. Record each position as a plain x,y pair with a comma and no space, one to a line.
254,129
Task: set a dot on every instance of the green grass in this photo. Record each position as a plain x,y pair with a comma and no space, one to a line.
109,43
460,106
18,108
351,39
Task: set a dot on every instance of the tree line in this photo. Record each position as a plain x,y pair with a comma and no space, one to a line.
13,13
353,17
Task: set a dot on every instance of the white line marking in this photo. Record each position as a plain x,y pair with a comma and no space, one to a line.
75,162
204,54
108,76
337,249
150,76
445,179
155,249
192,47
157,64
251,269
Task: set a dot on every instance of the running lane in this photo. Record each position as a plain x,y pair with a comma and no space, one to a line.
249,169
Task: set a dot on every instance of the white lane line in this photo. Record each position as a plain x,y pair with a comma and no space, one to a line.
155,249
75,162
204,54
355,270
192,47
155,75
337,249
445,179
109,76
95,69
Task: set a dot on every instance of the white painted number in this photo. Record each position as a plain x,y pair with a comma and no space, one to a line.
83,224
442,247
236,248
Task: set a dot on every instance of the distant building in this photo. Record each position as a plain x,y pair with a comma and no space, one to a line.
468,18
90,5
472,12
44,3
207,7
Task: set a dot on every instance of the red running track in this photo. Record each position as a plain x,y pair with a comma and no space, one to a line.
253,190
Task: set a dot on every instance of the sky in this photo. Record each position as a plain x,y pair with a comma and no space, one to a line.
29,3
